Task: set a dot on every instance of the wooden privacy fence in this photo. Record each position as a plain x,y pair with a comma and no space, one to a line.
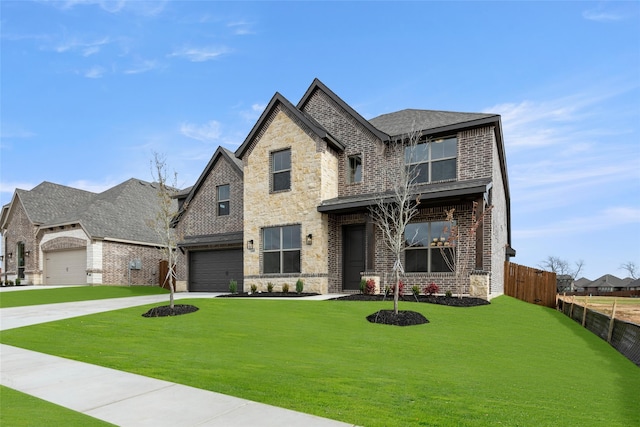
530,284
163,269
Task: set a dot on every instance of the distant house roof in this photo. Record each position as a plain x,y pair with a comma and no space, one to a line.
119,213
607,281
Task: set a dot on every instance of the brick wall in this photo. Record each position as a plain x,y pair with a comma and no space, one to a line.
116,259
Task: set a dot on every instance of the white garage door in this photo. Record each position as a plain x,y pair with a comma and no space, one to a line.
66,267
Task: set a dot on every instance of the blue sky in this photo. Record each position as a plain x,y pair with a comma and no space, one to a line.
91,89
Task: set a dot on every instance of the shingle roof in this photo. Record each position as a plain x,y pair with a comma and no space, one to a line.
120,213
409,120
426,192
47,202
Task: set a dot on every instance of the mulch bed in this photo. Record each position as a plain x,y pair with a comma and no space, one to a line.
442,300
408,317
166,310
267,295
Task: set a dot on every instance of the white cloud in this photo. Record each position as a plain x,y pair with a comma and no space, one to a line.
200,54
94,72
208,132
600,15
142,66
9,187
145,8
86,48
94,187
240,28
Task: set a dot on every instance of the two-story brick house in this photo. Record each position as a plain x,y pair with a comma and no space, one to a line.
308,175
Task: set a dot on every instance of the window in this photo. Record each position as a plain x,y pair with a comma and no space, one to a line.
281,249
223,200
433,161
281,170
424,241
355,169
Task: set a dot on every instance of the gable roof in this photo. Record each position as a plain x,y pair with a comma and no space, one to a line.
280,101
409,120
318,85
47,201
221,153
119,213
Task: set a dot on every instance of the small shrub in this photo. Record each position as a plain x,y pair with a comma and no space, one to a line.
254,288
18,282
299,286
285,288
9,283
233,286
370,287
416,290
363,286
387,290
448,294
269,287
431,289
400,288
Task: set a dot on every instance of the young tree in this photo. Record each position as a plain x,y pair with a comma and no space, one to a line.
457,248
162,223
395,209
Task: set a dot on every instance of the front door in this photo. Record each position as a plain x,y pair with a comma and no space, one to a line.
353,261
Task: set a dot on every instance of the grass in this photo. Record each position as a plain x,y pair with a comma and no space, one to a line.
19,409
74,293
508,363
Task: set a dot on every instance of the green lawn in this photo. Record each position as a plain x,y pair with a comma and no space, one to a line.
21,410
507,363
73,293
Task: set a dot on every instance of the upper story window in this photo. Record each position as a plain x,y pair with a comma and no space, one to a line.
281,249
424,241
281,170
434,160
355,168
223,199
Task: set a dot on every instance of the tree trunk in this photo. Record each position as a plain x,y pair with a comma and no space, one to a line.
396,290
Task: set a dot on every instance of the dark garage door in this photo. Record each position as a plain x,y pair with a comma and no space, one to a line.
211,271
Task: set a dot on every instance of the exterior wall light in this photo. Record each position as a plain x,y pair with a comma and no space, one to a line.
309,239
27,253
250,245
10,255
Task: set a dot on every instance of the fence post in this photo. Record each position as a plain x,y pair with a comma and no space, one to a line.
584,310
611,321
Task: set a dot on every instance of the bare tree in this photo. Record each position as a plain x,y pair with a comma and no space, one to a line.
456,248
631,269
162,223
395,209
562,267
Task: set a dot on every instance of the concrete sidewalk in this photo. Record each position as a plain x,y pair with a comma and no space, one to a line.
122,398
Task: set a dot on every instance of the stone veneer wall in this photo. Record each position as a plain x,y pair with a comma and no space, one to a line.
20,229
313,178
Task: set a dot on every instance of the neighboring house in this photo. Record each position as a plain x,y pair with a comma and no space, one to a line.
57,235
581,284
607,283
293,203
